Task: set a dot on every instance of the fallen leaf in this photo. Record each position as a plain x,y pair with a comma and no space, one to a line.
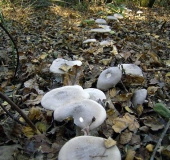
109,142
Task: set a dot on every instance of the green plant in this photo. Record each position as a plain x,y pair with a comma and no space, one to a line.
115,9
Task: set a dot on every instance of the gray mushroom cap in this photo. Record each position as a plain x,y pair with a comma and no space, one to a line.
132,69
83,112
61,96
109,78
88,148
100,21
139,97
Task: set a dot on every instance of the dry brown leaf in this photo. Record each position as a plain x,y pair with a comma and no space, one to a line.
112,92
139,109
131,80
109,142
119,124
123,97
130,154
166,151
133,125
128,109
74,76
150,147
152,90
153,123
125,137
34,113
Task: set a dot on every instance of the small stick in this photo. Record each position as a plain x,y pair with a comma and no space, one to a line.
14,106
160,140
15,119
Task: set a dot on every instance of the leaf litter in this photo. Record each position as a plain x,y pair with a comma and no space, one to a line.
143,41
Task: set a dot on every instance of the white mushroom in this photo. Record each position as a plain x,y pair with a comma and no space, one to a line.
139,97
100,21
87,114
109,78
59,62
131,69
88,148
89,40
61,96
95,94
112,18
118,16
102,29
106,43
139,12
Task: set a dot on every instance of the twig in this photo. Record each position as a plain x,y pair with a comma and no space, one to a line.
160,140
15,119
156,69
15,46
14,106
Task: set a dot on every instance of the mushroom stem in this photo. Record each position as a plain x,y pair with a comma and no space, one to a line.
86,131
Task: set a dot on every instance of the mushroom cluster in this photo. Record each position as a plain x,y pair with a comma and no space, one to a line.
76,102
82,105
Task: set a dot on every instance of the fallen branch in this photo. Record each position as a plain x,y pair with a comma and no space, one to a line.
15,119
14,106
15,46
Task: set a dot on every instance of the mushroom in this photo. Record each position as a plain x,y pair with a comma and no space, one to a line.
139,12
61,96
100,21
118,16
103,29
112,18
109,78
61,66
87,114
131,69
59,62
88,148
139,97
89,40
106,43
95,94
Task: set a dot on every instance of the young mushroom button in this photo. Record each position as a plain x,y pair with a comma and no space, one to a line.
139,97
88,148
109,78
61,96
87,114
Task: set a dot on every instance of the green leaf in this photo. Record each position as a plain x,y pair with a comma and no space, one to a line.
162,110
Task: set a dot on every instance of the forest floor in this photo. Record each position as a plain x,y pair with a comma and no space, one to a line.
46,33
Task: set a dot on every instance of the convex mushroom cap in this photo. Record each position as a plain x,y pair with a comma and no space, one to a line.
95,94
118,16
59,62
61,96
131,69
88,148
100,21
86,113
102,29
109,78
139,97
89,40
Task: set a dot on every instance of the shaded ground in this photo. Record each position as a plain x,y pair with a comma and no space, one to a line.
47,33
